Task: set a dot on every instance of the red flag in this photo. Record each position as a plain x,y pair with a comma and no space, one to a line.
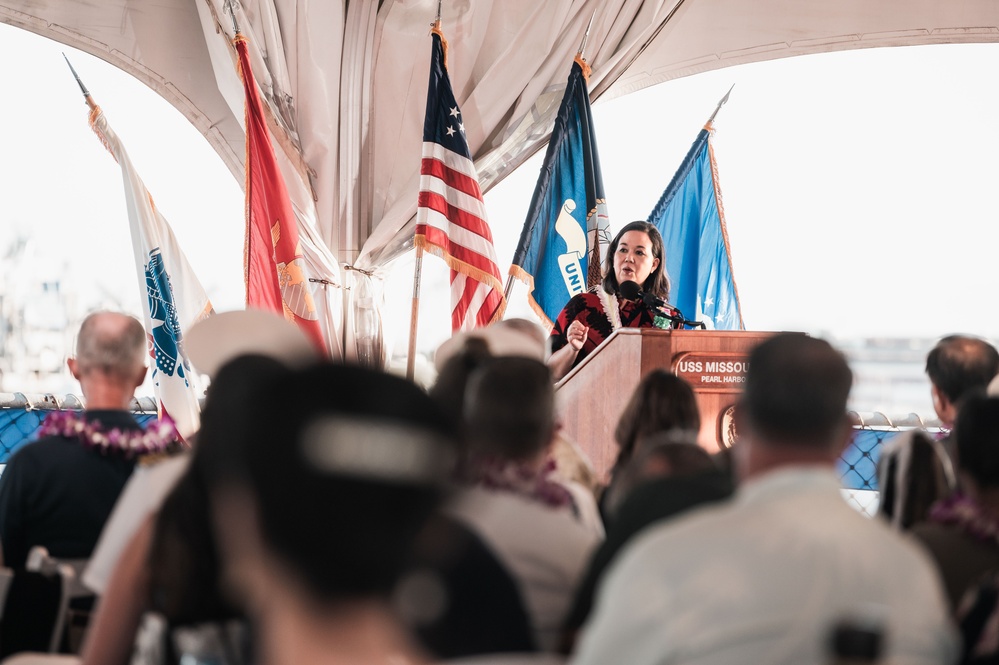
275,269
451,216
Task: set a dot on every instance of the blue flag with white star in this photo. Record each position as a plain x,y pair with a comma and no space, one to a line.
566,234
692,222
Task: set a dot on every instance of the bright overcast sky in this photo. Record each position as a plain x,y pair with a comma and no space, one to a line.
859,187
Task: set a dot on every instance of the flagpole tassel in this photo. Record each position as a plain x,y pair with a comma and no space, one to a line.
95,113
436,30
585,66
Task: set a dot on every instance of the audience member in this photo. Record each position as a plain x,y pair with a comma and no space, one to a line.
661,402
486,613
962,533
917,470
165,585
319,508
666,476
959,366
766,577
58,491
533,523
460,356
482,611
210,344
449,389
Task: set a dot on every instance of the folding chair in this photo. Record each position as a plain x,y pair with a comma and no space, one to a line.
70,571
33,611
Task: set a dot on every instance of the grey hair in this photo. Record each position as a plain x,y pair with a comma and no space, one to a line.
112,343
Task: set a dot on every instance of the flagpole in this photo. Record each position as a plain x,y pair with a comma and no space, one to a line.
83,88
508,289
414,316
721,103
229,8
586,35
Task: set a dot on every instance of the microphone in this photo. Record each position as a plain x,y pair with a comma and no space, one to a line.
632,291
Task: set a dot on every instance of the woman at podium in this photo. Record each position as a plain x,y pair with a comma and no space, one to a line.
635,255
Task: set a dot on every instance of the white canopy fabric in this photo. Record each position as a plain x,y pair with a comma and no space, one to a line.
346,85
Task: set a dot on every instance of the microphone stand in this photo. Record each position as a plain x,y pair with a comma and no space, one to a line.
678,319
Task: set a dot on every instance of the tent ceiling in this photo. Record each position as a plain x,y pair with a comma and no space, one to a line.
348,82
160,43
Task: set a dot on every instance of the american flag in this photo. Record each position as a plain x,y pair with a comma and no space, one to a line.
451,216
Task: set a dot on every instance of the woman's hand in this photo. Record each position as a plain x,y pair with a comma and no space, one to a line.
561,361
576,334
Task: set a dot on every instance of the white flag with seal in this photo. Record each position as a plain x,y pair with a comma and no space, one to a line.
172,296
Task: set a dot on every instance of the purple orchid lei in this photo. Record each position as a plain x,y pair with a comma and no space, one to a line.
498,474
965,513
159,437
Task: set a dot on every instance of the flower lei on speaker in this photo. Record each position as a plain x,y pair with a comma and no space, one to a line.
159,437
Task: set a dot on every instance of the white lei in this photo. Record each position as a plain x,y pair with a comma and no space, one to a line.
611,309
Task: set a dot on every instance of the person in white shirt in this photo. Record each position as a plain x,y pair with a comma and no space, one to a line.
767,577
540,530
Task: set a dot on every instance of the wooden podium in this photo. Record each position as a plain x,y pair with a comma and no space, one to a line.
593,395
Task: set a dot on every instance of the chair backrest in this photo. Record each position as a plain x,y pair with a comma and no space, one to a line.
39,560
68,571
33,610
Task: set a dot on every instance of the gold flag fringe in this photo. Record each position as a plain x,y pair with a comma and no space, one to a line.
522,275
721,219
462,267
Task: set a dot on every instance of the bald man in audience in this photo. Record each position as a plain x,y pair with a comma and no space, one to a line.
58,491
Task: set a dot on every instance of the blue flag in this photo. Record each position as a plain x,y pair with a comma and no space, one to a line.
566,232
689,215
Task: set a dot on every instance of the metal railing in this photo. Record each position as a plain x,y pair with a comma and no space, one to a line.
22,415
858,464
